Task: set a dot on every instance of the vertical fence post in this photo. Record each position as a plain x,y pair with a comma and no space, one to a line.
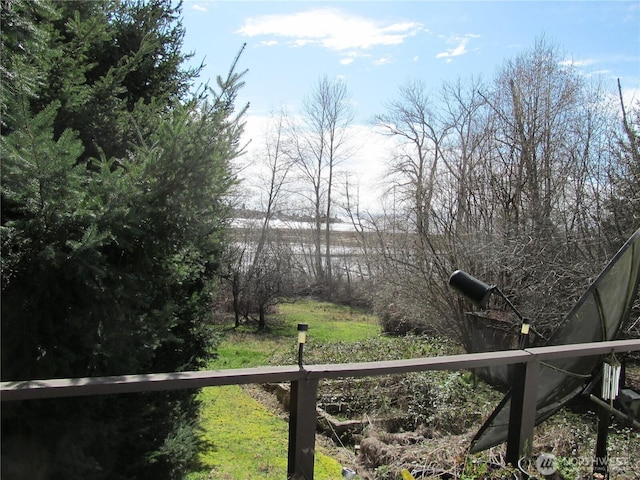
601,460
522,411
302,429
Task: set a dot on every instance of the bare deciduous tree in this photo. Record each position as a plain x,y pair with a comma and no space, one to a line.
277,166
321,144
412,120
257,272
503,179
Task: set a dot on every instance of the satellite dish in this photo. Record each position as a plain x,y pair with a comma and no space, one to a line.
596,317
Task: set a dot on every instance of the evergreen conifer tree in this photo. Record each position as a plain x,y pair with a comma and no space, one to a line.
113,217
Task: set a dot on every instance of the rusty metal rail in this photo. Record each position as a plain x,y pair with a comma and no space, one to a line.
304,384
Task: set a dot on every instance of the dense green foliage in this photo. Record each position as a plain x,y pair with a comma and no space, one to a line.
113,220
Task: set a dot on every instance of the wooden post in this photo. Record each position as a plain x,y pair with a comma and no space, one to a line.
302,429
600,462
522,411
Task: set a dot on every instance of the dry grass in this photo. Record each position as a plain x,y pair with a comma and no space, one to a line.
568,435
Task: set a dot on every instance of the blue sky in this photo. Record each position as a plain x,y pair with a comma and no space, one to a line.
376,46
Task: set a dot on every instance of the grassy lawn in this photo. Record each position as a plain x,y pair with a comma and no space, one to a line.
244,439
244,347
328,322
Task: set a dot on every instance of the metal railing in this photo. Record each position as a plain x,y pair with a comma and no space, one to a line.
304,385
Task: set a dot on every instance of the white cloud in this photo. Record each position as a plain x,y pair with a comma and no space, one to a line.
382,61
349,57
585,62
330,28
598,73
199,8
460,47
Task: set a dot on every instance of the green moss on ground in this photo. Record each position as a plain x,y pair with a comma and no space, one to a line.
244,440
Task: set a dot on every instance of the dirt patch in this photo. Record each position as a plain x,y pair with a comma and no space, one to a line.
267,399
